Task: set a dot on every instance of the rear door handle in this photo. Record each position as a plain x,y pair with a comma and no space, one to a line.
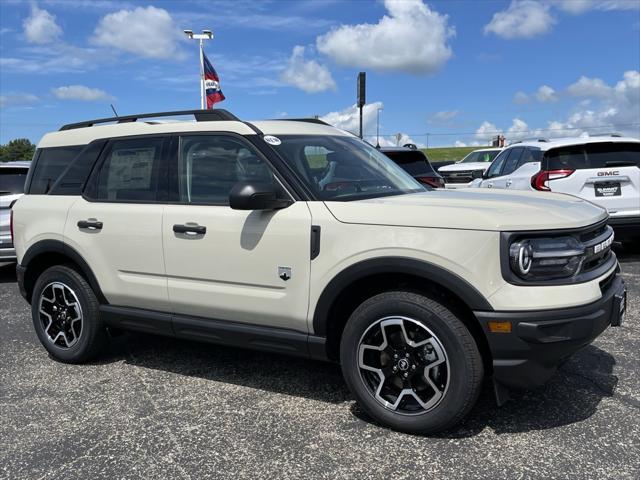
192,228
509,183
91,224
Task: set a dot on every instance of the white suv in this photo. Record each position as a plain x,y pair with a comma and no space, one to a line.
12,178
299,238
604,170
461,174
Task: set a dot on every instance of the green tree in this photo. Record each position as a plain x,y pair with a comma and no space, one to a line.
18,149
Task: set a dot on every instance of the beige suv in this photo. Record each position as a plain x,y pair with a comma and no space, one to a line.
299,238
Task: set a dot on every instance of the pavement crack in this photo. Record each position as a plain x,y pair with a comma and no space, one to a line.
177,448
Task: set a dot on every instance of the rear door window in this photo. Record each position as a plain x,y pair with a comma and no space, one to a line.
511,163
132,171
49,165
12,180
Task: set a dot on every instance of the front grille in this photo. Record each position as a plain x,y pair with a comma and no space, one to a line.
463,176
597,244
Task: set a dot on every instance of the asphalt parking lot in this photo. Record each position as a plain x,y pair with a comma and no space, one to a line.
155,407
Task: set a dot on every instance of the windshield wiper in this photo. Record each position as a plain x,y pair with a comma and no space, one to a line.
5,192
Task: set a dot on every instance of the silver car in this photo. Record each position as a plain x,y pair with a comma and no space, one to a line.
12,178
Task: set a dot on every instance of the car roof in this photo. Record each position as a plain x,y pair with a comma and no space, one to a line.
544,144
83,135
15,164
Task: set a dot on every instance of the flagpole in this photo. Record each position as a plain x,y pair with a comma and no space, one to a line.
201,75
205,35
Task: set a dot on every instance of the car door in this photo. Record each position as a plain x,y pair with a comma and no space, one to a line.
235,265
504,180
491,178
527,167
116,226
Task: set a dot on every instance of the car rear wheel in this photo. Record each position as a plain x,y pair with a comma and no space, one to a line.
410,362
66,317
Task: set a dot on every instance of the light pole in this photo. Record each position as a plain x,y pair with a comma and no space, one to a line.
378,128
205,35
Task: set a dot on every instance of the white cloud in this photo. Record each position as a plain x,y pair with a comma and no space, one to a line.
522,19
412,38
397,140
41,27
17,99
546,94
148,32
80,92
486,131
307,75
518,130
521,97
443,117
589,87
348,118
458,143
577,7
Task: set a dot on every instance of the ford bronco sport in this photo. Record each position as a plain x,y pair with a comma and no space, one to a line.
297,237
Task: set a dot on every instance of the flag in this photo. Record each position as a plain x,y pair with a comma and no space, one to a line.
211,83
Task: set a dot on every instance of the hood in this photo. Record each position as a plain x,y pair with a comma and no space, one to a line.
459,167
472,209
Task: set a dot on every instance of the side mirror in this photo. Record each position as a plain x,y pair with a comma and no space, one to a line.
477,174
256,196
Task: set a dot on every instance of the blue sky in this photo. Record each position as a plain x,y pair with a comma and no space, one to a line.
460,70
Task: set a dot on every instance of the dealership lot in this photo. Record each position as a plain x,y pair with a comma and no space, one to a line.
157,407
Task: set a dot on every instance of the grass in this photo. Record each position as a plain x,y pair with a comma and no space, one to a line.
448,153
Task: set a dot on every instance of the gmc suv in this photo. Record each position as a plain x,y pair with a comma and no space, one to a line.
299,238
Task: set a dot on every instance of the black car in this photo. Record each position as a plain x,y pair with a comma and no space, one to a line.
416,163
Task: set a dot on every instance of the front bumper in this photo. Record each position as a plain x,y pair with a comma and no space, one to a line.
625,227
540,341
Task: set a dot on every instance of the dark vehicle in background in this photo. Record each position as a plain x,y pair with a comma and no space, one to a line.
12,178
416,163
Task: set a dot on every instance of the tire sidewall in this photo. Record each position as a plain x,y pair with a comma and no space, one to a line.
459,368
90,314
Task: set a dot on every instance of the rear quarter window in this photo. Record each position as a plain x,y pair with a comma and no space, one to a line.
49,165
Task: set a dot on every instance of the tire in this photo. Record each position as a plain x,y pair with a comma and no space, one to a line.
436,334
60,296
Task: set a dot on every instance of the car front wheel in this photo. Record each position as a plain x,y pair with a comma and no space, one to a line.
410,362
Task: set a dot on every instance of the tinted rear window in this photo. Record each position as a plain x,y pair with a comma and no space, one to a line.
50,163
413,162
12,180
594,155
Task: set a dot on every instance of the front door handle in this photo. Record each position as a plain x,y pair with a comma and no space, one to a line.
91,224
509,182
490,185
190,228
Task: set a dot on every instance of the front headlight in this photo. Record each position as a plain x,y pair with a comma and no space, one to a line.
546,258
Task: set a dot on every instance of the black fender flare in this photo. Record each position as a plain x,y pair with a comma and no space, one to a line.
59,247
390,265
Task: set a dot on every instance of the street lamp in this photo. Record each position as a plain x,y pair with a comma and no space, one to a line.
378,128
205,35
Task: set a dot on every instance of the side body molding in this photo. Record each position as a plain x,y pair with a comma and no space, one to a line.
394,265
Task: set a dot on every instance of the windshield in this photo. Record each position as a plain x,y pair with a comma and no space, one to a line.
12,180
344,168
478,156
412,161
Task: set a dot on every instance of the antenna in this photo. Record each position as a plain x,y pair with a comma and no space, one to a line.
114,110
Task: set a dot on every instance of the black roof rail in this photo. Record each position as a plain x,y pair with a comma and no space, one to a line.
306,120
217,114
612,134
